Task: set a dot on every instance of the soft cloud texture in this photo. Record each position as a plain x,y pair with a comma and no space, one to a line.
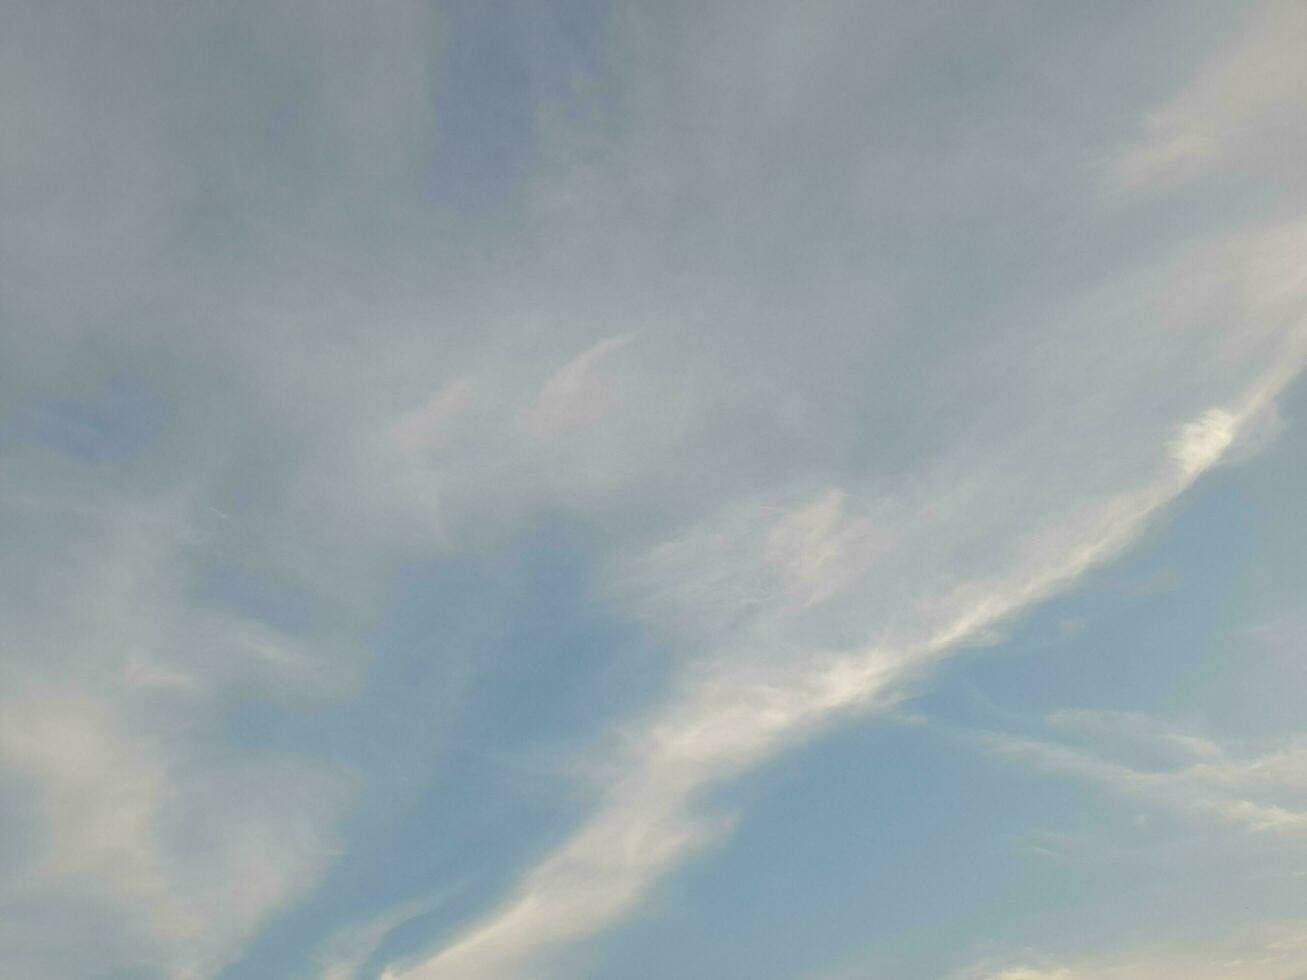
446,447
1276,951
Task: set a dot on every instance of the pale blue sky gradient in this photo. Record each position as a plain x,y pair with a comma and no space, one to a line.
627,490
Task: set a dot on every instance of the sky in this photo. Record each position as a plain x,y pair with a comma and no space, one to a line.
514,490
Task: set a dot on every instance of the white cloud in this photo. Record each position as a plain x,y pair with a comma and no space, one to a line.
333,403
347,951
1275,950
766,690
1203,442
115,680
576,393
1258,787
1018,973
1241,106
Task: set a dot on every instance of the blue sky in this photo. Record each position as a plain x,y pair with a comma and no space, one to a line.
514,491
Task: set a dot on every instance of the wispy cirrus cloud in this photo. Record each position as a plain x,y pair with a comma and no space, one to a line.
814,358
769,688
1274,950
1257,791
1239,102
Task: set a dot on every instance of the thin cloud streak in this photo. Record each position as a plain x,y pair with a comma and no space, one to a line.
1239,101
1274,950
1251,791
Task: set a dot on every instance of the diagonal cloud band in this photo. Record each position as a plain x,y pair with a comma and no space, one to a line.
735,714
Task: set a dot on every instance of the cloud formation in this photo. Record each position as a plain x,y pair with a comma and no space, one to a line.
358,370
1274,951
742,708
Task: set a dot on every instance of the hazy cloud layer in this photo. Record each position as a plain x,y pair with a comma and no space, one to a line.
442,446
